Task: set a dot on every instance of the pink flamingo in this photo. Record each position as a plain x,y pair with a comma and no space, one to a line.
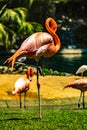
37,45
80,84
22,85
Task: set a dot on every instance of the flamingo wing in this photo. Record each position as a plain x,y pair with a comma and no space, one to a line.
35,41
20,85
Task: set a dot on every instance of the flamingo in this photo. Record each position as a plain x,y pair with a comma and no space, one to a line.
81,69
22,85
45,44
80,84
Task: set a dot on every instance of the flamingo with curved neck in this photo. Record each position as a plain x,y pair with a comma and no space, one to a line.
45,44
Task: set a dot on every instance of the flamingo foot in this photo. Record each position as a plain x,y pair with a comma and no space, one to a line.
78,105
24,106
20,105
83,106
8,60
13,58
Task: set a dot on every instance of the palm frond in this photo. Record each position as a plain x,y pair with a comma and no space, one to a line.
37,27
25,29
14,26
3,9
22,12
3,34
10,16
7,36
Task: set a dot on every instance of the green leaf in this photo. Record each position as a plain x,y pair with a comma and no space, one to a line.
7,36
10,16
37,27
25,29
22,12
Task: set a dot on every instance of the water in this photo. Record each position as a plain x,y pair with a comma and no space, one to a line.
62,63
67,63
70,63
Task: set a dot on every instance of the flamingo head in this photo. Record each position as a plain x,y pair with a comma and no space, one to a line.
30,73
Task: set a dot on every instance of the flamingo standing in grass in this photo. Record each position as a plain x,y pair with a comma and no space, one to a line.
22,85
80,84
39,44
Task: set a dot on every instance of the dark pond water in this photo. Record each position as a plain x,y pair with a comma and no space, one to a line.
70,63
63,63
67,63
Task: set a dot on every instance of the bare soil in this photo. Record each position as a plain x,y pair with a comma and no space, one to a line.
52,87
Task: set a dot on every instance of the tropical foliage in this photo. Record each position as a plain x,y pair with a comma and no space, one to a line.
14,26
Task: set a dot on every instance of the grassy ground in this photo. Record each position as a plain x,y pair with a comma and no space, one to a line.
53,119
59,106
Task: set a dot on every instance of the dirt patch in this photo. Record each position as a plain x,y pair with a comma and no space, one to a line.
51,87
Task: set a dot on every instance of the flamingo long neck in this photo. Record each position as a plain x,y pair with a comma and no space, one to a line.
29,77
30,73
51,27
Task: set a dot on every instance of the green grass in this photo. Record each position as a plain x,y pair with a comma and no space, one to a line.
55,117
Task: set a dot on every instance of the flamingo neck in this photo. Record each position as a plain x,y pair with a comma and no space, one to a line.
30,73
29,77
51,27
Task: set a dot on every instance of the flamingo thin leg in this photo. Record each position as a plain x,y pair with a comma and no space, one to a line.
25,100
79,100
20,100
83,100
38,87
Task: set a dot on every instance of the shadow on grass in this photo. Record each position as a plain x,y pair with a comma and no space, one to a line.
19,118
64,103
12,119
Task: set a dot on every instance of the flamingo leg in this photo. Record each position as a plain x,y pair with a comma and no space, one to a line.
20,100
40,71
38,87
25,100
82,74
12,59
79,100
83,100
